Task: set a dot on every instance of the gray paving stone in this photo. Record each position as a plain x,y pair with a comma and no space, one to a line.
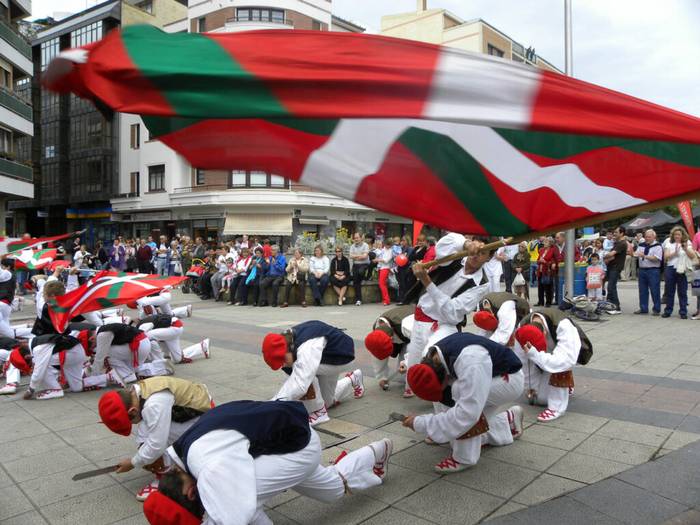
544,488
400,483
542,434
21,429
557,512
421,458
393,516
528,455
578,422
5,480
400,442
56,487
13,502
586,469
279,519
115,503
276,501
690,517
114,446
643,434
680,439
85,434
30,518
349,510
138,519
616,450
70,420
44,464
628,503
494,477
449,503
506,509
31,446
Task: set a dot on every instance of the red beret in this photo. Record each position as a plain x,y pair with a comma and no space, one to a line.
485,320
379,344
425,383
113,413
19,362
531,334
274,349
161,510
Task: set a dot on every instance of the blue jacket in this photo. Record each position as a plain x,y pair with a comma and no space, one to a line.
278,266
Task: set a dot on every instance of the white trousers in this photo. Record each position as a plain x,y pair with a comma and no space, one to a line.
330,389
553,397
381,367
22,330
494,282
12,374
502,394
122,360
5,328
73,371
170,339
302,472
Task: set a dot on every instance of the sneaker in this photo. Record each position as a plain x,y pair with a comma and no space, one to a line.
318,416
357,383
432,442
114,378
205,348
189,310
695,317
381,457
384,384
665,315
284,305
9,389
684,316
449,466
358,303
407,392
548,415
53,393
515,420
640,312
146,491
185,361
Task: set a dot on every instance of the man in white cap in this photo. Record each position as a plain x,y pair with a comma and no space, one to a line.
451,292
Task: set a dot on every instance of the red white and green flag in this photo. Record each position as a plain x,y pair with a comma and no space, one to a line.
105,290
10,245
462,141
34,259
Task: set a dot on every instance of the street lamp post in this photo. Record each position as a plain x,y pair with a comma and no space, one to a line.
570,234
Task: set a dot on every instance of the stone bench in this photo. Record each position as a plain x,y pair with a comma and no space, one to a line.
370,294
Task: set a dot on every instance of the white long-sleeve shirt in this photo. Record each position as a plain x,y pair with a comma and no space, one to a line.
5,275
439,304
507,319
319,264
470,391
564,354
303,371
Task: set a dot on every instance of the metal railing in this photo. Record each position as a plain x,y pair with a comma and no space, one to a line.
268,19
16,170
15,104
15,39
203,187
130,195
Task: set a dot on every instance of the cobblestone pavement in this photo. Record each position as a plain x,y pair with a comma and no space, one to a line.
626,452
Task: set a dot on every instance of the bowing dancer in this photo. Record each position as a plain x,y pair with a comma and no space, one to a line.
313,354
499,315
8,284
240,454
470,380
550,344
450,292
166,331
59,358
10,371
389,336
163,408
159,303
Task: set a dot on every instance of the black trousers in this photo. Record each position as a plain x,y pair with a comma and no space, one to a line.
358,273
265,284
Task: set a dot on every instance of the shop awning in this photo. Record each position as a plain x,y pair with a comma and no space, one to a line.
310,219
258,224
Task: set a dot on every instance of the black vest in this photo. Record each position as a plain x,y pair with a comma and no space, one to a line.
503,359
272,427
8,343
43,324
496,299
340,348
123,334
7,290
438,276
61,342
159,321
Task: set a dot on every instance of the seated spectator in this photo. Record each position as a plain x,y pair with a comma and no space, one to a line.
319,267
218,277
340,274
297,269
256,271
238,277
275,276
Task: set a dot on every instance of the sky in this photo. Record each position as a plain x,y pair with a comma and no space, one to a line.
646,48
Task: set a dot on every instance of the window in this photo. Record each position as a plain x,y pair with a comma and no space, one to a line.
87,175
202,25
156,178
255,14
238,179
135,136
5,141
315,25
5,78
277,182
199,178
493,50
146,6
86,35
134,182
49,50
258,179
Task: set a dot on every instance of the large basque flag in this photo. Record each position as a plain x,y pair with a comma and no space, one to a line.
34,259
466,142
10,245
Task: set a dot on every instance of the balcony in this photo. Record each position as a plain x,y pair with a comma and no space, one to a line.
16,40
16,170
15,104
246,23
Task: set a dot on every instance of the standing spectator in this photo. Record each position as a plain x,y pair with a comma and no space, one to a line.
161,258
587,251
546,268
79,257
130,256
319,267
275,276
493,268
340,274
403,273
679,257
533,249
199,251
384,260
297,269
560,240
615,261
628,267
594,279
256,271
117,257
520,264
696,247
102,256
175,259
650,254
430,252
143,257
508,252
186,261
76,246
598,248
359,255
372,242
221,265
240,274
267,249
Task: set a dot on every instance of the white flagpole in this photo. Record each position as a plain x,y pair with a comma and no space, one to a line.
570,234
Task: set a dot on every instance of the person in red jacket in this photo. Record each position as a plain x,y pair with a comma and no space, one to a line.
547,266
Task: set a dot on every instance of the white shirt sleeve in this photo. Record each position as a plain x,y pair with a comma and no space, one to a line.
470,392
506,323
155,422
41,358
103,342
304,370
453,310
72,282
5,275
564,355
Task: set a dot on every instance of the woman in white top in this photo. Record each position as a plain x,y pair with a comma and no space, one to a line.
319,268
384,260
679,257
239,273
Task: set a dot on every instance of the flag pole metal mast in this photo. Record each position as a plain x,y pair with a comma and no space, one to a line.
570,234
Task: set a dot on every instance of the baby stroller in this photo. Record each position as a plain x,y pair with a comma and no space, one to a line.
194,273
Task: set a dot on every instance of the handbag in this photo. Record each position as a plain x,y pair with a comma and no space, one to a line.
519,280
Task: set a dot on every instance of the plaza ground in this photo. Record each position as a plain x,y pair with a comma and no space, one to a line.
627,451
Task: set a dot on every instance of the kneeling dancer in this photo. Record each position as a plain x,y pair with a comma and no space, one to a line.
499,315
163,407
11,372
167,330
240,454
313,354
469,379
388,339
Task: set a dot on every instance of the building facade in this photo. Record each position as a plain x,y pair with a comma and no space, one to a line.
16,114
160,193
76,147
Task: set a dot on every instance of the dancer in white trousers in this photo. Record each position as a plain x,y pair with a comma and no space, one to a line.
166,331
471,380
7,296
499,315
388,338
270,448
159,303
11,372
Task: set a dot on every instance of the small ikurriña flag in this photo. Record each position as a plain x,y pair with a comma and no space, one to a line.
10,245
106,289
34,259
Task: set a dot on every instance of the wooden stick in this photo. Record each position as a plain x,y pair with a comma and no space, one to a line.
464,253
